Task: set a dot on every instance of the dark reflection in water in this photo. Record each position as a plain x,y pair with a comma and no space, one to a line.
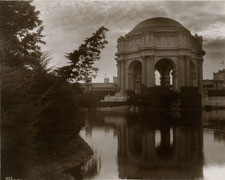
155,145
164,150
215,120
56,147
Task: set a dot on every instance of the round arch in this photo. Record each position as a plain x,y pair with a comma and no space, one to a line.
135,76
166,68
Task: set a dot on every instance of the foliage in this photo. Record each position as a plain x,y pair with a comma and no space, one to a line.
60,119
134,99
17,119
81,61
130,92
41,112
159,97
20,33
90,100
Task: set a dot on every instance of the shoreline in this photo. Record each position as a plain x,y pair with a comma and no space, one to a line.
57,169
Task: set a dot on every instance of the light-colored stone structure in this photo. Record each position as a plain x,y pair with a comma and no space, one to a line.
163,45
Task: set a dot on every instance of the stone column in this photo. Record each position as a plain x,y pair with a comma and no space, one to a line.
123,83
194,79
187,69
175,80
200,74
143,68
131,81
181,71
167,80
150,71
138,85
118,75
126,70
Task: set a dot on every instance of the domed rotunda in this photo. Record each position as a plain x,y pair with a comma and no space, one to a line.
160,46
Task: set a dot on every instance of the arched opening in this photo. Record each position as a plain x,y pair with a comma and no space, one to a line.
165,68
193,74
134,76
157,78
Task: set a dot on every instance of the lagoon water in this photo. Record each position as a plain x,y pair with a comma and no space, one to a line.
188,145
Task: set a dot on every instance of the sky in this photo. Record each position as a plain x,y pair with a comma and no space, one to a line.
68,22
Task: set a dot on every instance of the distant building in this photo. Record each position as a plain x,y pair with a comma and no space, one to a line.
214,89
99,90
105,86
106,80
220,75
217,83
211,84
115,80
98,86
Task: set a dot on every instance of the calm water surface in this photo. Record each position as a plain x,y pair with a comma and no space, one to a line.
190,145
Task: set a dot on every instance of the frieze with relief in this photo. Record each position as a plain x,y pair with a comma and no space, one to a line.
147,39
133,43
184,40
166,41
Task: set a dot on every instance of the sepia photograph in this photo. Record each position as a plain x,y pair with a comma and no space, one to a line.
112,90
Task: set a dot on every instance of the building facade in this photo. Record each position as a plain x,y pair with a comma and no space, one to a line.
104,86
211,84
217,83
220,75
163,45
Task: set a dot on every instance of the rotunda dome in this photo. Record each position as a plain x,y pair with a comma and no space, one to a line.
157,22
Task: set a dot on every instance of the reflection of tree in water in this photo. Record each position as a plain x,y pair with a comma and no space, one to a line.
92,167
87,170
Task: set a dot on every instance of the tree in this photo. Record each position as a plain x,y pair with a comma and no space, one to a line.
81,61
20,33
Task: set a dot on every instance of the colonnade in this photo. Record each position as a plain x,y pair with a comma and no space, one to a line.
185,71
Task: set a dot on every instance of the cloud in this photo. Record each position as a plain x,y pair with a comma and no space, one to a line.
215,49
68,23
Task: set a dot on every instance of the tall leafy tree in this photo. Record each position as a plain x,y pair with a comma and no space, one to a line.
81,61
20,33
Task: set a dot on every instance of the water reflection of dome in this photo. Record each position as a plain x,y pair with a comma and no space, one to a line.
149,160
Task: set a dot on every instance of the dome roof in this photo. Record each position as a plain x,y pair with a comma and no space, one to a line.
156,22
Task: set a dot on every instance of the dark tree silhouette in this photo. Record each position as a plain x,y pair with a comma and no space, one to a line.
81,61
20,33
